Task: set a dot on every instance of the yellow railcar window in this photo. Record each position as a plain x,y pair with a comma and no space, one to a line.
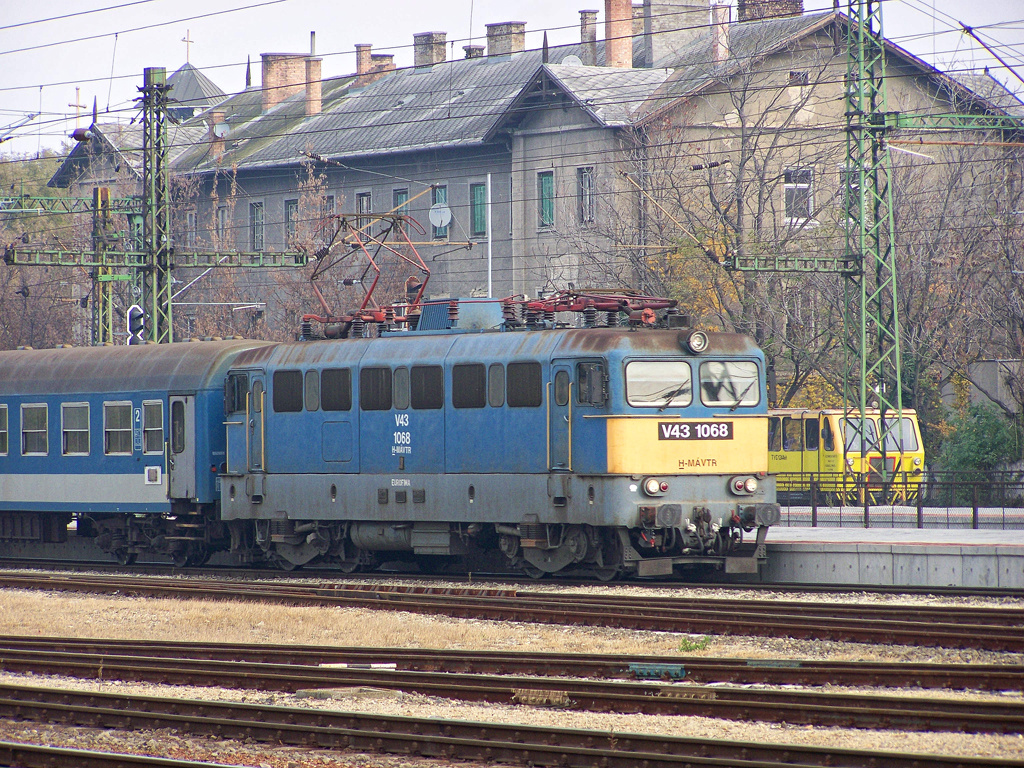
792,434
811,434
903,436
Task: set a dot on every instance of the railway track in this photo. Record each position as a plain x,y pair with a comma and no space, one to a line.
34,756
994,629
694,669
432,737
831,709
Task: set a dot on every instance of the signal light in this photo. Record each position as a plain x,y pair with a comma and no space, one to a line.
136,321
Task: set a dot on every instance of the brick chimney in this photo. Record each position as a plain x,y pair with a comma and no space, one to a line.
473,51
753,10
314,100
721,15
381,63
588,37
638,20
428,48
506,38
363,55
618,33
218,130
284,75
670,26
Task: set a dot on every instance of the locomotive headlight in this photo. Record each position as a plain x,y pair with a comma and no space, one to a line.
744,485
654,487
750,485
695,341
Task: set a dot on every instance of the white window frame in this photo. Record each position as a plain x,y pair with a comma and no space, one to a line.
586,201
221,223
131,437
64,430
364,208
146,429
543,225
46,429
257,226
794,186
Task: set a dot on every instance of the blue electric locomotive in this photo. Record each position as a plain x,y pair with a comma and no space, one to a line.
595,450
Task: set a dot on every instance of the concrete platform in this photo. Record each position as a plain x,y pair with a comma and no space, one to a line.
896,556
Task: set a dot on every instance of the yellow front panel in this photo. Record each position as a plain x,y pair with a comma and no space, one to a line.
635,447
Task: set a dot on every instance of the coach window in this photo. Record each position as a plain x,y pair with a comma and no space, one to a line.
496,385
117,428
731,383
33,430
427,387
74,419
375,389
659,383
336,389
3,430
152,426
590,384
287,391
523,385
312,391
177,426
469,385
400,392
562,388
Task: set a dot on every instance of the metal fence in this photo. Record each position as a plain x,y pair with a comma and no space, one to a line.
979,500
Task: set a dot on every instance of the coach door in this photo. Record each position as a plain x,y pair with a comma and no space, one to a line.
181,462
559,398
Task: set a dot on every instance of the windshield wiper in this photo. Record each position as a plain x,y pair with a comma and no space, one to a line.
744,394
673,395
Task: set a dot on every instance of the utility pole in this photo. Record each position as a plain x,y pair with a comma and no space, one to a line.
156,222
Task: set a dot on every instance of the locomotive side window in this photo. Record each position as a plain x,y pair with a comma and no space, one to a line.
312,391
811,434
287,391
336,389
427,387
562,388
400,392
774,434
469,385
153,426
117,428
375,389
524,386
732,383
34,430
177,426
659,383
3,430
74,419
496,385
590,384
235,390
257,396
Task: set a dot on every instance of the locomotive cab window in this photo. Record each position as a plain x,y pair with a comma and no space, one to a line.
851,434
591,385
902,437
287,391
117,428
3,430
469,386
375,389
74,419
336,389
659,383
257,396
427,387
235,390
523,385
562,388
731,383
153,426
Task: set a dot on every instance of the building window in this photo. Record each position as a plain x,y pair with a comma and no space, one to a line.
799,196
222,224
117,428
74,419
152,426
585,194
190,229
291,221
33,430
440,197
400,204
799,78
364,207
255,226
3,430
478,209
546,199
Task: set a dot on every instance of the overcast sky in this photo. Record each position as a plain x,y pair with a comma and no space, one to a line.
82,50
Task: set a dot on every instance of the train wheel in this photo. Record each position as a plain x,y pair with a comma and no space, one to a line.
533,571
608,573
124,557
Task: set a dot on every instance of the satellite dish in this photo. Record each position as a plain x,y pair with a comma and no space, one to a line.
220,130
572,61
440,215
